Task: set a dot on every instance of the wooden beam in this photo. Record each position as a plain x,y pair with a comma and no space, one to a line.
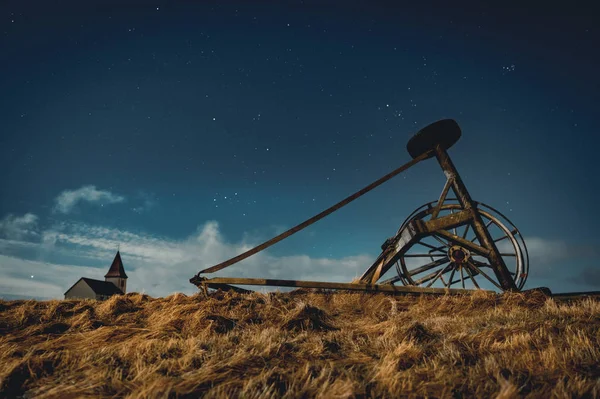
449,221
385,288
479,250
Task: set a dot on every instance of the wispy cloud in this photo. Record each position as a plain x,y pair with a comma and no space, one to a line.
160,266
18,227
68,199
29,278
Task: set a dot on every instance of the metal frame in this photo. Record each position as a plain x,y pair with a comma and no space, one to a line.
396,247
416,229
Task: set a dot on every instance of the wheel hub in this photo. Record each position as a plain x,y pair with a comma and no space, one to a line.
458,254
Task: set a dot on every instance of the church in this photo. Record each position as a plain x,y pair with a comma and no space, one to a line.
115,283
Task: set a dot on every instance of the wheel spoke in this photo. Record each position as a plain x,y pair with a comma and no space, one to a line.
444,270
392,280
454,228
451,277
422,255
501,238
480,264
466,231
429,276
428,266
504,254
486,226
443,243
471,276
431,246
485,275
462,279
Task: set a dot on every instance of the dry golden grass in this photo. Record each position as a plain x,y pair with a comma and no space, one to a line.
302,344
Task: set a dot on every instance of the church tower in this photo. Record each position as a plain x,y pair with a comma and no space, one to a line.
116,274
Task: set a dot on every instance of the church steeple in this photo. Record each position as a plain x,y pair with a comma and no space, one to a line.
116,273
116,269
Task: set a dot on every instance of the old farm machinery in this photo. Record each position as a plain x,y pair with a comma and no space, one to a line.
446,246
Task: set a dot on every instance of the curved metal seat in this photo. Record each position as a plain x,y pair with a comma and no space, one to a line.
445,132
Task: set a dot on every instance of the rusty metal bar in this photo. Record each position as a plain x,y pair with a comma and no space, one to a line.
385,288
316,218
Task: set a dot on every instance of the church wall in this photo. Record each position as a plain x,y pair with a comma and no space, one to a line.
80,290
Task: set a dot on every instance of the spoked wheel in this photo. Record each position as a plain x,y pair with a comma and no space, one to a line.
435,261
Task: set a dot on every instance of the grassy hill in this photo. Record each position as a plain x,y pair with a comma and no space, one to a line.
301,344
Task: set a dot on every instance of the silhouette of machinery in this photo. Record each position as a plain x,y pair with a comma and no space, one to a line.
445,246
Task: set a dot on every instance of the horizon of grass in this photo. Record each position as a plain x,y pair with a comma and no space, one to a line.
306,343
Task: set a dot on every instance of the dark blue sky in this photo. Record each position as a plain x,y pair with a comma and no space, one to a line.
258,115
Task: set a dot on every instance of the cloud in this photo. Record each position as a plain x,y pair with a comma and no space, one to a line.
68,199
27,278
157,265
544,251
19,227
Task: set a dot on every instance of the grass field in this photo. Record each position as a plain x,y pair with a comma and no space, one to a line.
301,344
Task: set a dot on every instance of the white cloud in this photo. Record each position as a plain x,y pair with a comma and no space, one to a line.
49,280
544,251
68,199
19,227
156,265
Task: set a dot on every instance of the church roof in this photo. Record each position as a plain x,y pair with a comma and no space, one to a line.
99,287
102,287
116,269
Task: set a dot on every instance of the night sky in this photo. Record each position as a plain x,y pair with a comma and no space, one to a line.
188,132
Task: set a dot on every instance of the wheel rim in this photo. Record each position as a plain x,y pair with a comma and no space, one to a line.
443,268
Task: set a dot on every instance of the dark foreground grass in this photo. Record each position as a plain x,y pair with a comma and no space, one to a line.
306,344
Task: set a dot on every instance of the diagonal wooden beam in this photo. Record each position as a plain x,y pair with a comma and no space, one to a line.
315,218
438,206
